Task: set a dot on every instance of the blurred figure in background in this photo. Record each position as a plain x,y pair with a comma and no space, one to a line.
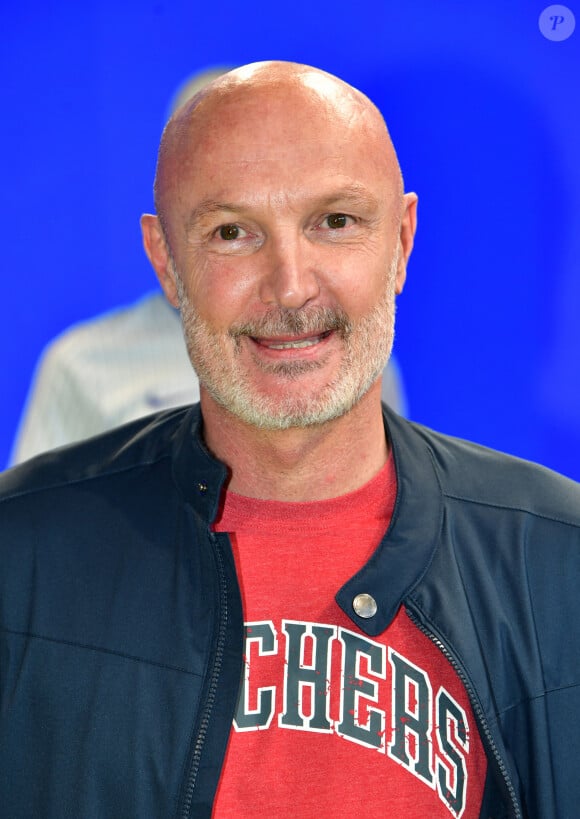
124,364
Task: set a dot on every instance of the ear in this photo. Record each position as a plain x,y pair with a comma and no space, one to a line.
406,238
159,256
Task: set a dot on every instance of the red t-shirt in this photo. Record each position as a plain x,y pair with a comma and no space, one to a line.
330,721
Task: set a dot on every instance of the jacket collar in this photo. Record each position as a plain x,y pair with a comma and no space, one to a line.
406,550
198,474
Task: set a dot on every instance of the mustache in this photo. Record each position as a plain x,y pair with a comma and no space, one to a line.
312,320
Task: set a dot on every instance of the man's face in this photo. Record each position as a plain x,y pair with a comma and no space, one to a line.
285,240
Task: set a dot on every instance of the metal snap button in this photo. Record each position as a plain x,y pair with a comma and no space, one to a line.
365,606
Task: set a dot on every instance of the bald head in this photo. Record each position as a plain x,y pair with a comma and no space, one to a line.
270,105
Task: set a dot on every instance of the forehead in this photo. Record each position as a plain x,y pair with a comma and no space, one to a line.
275,142
276,123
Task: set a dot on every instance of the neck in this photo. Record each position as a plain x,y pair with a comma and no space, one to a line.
313,463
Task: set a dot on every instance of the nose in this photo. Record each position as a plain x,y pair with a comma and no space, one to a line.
290,278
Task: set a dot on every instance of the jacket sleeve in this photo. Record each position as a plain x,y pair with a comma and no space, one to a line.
547,727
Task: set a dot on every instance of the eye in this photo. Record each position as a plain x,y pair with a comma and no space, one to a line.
231,232
336,221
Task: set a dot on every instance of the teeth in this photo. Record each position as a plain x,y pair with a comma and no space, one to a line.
294,345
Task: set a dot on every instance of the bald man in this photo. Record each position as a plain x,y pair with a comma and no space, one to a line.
286,601
124,364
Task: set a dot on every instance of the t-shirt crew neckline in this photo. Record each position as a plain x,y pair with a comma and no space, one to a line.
376,496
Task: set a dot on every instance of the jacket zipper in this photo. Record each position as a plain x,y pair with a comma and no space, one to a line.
213,684
477,709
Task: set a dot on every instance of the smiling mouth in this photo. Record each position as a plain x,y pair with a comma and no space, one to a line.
291,343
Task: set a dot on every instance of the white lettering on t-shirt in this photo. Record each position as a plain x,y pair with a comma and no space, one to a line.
429,734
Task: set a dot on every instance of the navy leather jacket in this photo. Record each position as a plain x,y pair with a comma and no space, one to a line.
122,629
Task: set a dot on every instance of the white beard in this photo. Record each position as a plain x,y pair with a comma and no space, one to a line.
367,348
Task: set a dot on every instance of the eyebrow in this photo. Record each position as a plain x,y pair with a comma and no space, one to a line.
209,207
353,194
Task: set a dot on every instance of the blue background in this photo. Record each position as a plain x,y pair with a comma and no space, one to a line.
484,112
